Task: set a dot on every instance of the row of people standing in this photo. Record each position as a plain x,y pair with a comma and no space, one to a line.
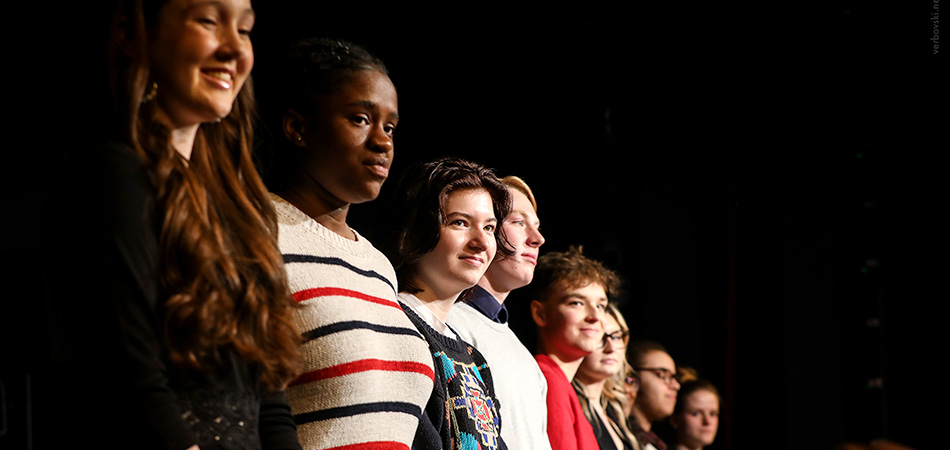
245,314
239,313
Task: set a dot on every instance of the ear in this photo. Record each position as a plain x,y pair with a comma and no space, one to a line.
538,313
294,126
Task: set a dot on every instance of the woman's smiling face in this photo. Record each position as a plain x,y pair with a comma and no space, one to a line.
201,57
466,247
605,361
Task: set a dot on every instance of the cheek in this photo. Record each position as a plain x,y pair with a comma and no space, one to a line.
492,249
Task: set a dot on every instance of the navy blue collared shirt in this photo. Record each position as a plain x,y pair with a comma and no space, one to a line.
486,304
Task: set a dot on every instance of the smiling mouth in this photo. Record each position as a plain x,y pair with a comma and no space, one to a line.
222,78
473,260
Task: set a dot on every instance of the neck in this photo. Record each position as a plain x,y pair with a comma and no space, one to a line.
593,388
500,294
641,419
183,139
440,305
568,365
182,136
317,204
682,446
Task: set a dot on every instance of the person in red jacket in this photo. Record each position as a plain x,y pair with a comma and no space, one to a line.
571,293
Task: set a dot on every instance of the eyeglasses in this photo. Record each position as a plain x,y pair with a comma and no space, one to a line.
632,380
618,339
661,373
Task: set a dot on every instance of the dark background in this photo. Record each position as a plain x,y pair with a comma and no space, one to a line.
766,178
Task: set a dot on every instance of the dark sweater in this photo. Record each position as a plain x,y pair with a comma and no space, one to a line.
121,390
463,412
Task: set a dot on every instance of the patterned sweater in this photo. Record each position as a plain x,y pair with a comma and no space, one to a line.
462,413
368,373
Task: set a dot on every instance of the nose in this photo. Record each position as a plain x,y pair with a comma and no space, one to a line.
705,419
379,140
481,241
593,313
234,45
535,239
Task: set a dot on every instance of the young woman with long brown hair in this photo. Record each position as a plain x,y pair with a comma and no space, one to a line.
198,341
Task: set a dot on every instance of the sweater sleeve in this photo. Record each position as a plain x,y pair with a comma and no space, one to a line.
131,248
277,428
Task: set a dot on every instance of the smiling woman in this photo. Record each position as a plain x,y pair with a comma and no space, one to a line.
443,234
197,338
601,390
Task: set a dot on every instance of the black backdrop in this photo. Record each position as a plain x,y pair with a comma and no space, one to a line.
765,178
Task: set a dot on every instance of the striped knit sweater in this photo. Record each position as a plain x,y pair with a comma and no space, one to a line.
368,373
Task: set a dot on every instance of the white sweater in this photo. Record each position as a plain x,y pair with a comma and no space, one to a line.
519,384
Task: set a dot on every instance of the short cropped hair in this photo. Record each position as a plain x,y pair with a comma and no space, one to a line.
519,185
416,216
638,349
573,268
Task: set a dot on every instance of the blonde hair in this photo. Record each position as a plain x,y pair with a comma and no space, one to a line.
614,393
519,185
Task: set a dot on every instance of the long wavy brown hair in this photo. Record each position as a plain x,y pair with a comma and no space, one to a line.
218,261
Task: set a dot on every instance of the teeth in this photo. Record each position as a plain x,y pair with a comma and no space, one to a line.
220,75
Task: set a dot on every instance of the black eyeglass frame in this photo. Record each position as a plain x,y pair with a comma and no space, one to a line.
661,373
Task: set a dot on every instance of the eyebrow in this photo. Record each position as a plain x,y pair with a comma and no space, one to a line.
373,105
523,213
249,11
583,297
467,216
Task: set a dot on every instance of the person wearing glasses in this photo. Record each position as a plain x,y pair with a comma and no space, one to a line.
570,295
600,384
656,397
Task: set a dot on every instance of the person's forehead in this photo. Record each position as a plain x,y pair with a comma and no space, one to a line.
660,360
582,288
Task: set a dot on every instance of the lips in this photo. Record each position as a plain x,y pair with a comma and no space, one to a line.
473,260
379,167
530,257
591,331
222,78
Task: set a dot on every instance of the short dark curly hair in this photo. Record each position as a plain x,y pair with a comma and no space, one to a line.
573,268
417,214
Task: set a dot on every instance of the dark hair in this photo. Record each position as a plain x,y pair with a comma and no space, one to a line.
417,214
637,349
573,268
218,255
690,387
308,69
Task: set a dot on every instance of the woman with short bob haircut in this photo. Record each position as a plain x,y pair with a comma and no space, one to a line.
443,234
